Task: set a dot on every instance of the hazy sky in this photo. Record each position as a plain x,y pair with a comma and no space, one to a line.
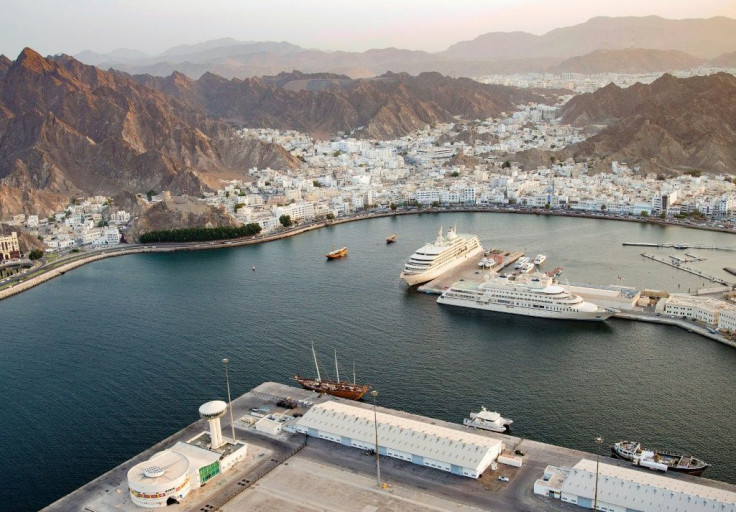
152,26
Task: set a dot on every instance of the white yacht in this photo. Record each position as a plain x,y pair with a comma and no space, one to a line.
433,259
536,296
540,259
487,420
521,262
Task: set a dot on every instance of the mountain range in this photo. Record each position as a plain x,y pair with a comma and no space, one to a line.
68,129
667,126
702,40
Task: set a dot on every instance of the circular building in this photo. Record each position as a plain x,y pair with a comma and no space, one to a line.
160,481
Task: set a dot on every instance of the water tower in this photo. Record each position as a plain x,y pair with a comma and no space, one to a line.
211,411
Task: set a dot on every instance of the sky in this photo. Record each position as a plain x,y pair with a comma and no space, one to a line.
152,26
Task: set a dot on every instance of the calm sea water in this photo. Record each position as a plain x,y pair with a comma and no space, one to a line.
109,359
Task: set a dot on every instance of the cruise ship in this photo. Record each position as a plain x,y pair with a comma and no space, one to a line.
433,259
531,296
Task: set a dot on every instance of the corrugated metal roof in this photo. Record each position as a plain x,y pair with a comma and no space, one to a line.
645,491
410,436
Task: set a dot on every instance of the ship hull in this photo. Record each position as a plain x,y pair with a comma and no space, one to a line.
695,471
415,279
592,316
334,388
492,428
337,254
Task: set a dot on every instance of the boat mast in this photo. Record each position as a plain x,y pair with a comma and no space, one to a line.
319,378
353,372
337,370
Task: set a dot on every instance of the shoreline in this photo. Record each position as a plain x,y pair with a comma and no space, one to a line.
62,267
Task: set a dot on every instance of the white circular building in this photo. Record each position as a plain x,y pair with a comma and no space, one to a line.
160,481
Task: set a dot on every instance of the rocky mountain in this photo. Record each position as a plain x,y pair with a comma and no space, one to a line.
726,60
67,129
629,60
667,126
492,53
385,107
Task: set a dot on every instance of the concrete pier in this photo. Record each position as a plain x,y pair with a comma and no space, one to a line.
696,272
286,470
468,271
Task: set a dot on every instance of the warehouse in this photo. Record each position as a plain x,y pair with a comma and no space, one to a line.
623,490
460,453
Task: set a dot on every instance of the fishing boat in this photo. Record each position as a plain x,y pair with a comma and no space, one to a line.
658,460
337,387
337,253
391,239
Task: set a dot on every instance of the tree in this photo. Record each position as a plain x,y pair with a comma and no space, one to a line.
455,174
286,221
546,206
693,172
330,216
392,206
316,184
35,254
663,215
506,165
644,213
435,204
603,207
150,194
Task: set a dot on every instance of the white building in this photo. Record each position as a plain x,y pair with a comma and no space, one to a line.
460,453
622,489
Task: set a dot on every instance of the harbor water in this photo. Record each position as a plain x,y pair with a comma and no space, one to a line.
109,359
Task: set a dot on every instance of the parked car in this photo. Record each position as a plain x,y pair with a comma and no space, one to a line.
503,478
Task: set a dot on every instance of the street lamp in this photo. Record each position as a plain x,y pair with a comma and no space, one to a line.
229,400
599,442
374,394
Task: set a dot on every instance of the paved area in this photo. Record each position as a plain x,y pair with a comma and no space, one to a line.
283,473
468,271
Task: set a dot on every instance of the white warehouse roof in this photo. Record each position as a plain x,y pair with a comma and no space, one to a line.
463,449
645,491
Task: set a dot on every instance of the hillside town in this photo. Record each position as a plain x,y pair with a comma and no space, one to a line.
447,165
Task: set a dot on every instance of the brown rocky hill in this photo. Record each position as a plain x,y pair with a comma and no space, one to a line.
629,60
384,107
67,129
667,126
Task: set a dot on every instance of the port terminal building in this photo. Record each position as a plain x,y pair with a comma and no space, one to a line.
621,489
458,452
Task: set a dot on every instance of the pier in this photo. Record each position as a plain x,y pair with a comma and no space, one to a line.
696,272
467,271
669,245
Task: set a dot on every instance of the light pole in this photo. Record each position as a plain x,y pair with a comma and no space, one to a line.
599,442
229,400
374,394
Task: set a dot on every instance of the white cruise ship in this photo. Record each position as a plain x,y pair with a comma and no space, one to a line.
530,296
433,259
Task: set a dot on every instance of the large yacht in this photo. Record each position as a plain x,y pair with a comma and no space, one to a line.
488,420
526,295
433,259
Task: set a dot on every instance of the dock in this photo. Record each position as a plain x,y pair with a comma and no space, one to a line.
287,471
669,245
467,271
676,264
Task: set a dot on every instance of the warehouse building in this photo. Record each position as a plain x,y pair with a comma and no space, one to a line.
631,490
460,453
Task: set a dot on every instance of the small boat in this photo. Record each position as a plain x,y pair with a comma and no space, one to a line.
658,460
254,268
337,253
342,389
487,420
482,263
554,272
540,259
391,239
521,262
